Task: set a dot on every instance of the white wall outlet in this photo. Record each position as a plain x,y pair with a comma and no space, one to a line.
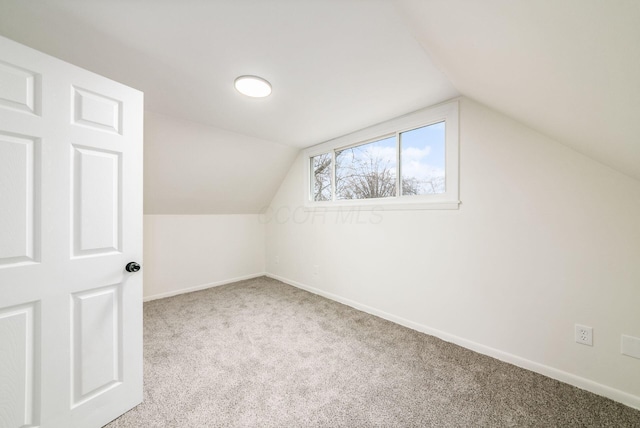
584,335
277,260
316,270
630,346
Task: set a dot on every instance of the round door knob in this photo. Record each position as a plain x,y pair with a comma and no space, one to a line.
132,267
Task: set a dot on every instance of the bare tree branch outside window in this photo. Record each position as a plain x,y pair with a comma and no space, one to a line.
367,171
321,167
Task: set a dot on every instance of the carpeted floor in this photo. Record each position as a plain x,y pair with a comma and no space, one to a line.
260,353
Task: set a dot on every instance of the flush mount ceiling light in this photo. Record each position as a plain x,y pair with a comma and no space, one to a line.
253,86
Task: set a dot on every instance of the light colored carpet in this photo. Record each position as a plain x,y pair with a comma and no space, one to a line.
260,353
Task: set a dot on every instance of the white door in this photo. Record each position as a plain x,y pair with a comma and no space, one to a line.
70,220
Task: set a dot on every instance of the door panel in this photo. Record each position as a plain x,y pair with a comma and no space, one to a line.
97,347
71,219
19,88
19,199
18,362
97,195
96,111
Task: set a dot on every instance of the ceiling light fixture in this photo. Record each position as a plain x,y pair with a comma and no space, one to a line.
253,86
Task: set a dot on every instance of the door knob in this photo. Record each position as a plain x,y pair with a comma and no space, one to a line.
132,267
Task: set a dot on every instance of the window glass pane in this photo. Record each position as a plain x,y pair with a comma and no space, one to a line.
367,171
321,177
422,160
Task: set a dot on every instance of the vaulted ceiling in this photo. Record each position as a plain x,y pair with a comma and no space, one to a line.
569,68
335,65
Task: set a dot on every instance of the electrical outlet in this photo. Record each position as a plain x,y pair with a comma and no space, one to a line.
277,260
316,270
630,346
584,335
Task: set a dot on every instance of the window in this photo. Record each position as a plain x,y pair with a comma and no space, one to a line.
409,162
422,156
321,168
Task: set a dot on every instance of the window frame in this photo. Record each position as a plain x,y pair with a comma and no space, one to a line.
446,112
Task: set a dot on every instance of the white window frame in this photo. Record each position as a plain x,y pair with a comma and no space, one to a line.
447,112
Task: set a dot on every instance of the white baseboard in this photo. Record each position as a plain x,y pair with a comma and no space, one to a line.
201,287
571,379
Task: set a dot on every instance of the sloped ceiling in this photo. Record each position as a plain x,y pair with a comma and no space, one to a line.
192,168
335,65
569,68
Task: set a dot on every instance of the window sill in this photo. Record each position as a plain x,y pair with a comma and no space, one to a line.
381,206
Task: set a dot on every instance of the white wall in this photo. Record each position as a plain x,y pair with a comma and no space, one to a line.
545,238
203,189
188,252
